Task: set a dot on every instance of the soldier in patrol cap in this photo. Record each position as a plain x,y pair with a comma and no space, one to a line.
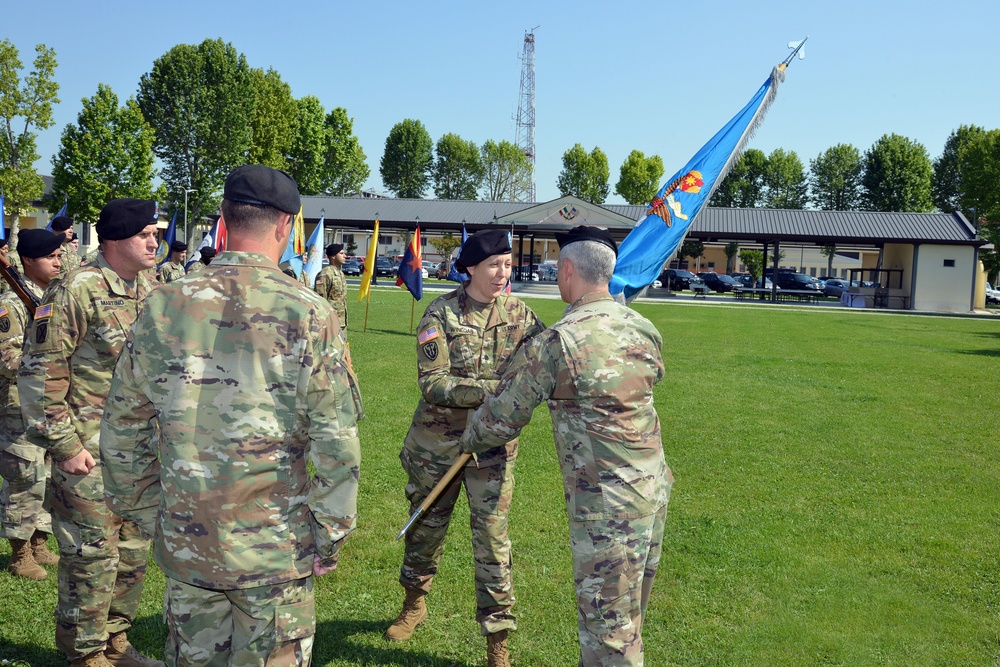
214,420
596,368
465,342
24,466
332,285
63,381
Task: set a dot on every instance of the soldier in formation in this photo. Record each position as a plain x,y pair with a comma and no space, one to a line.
596,368
465,342
174,269
62,226
24,466
212,422
332,285
63,381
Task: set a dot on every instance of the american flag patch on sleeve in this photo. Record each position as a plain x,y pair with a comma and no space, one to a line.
3,311
43,311
427,335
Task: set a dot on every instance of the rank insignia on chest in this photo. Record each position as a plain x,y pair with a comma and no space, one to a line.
430,351
43,311
427,335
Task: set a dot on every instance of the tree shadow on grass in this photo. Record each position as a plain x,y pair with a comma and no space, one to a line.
386,331
983,353
334,641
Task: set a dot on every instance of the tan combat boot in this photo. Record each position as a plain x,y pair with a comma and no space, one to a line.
120,653
413,614
92,660
496,650
22,563
40,550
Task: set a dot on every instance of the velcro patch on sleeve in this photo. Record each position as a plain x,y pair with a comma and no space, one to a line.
43,311
427,335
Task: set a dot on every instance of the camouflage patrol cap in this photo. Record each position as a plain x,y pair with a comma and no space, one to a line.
586,233
35,243
481,245
124,218
61,223
263,186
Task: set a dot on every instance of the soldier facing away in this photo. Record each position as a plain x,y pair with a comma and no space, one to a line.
331,282
24,466
596,368
212,422
466,340
63,381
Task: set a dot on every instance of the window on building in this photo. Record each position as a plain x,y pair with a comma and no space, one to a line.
385,239
950,263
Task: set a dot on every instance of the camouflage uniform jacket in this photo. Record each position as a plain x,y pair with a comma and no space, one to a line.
171,271
13,323
70,261
333,286
596,367
214,417
70,354
459,362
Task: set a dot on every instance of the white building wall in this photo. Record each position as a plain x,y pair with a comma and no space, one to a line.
944,288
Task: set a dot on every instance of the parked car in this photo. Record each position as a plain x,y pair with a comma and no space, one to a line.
718,282
992,295
548,272
443,269
745,280
679,279
384,267
791,280
836,287
352,267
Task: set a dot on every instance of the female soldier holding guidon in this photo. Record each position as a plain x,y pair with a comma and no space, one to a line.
465,342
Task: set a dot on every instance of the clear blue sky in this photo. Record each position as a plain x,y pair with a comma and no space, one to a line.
660,77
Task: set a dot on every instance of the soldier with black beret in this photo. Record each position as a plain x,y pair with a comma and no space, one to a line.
332,284
62,226
64,381
24,466
465,342
174,269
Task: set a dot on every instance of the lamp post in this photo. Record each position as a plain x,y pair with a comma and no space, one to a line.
186,212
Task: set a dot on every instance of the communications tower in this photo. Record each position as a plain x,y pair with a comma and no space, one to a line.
526,111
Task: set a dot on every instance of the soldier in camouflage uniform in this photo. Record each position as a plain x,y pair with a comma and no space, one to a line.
331,284
205,256
596,367
63,381
63,226
206,440
174,269
12,258
465,342
24,466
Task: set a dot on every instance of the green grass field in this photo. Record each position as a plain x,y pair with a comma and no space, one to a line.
836,503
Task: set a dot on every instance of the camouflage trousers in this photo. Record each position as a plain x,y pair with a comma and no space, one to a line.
25,471
489,491
268,625
614,563
102,566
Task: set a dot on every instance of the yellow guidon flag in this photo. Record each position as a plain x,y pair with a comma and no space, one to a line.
366,277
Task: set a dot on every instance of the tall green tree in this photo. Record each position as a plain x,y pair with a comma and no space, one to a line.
979,164
506,171
406,162
743,186
731,249
306,160
692,249
785,178
107,154
947,187
25,106
458,169
639,178
835,179
585,175
897,175
273,122
754,261
829,251
199,99
345,165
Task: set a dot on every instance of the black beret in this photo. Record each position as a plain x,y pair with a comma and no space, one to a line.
481,245
3,242
208,252
178,246
585,233
124,218
333,249
260,185
35,243
61,223
75,237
